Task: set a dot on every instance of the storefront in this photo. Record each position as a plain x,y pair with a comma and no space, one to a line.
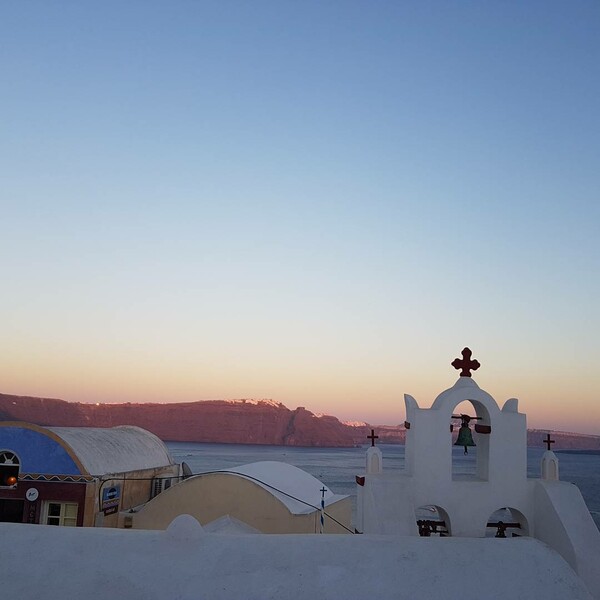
77,476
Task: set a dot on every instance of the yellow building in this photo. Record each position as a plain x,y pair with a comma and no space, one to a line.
271,497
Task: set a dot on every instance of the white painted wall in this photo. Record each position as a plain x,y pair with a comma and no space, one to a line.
501,475
374,460
549,466
186,563
565,524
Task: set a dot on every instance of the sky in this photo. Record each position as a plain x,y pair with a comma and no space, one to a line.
320,203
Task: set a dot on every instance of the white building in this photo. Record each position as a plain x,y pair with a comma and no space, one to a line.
465,505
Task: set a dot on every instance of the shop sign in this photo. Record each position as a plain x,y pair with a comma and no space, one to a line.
111,496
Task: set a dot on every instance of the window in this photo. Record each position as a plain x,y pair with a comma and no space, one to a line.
9,469
8,458
60,513
157,486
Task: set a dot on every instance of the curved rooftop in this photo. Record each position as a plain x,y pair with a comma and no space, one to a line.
281,479
84,450
115,450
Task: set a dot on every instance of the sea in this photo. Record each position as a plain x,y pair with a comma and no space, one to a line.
337,467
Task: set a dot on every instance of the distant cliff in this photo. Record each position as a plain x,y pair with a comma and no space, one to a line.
563,440
231,422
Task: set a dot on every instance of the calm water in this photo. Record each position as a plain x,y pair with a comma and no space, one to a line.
337,467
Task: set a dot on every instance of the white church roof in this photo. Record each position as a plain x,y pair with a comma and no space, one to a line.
289,484
186,564
115,450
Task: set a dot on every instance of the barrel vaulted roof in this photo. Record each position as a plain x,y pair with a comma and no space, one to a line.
89,451
115,450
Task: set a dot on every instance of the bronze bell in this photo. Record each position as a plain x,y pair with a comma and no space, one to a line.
465,437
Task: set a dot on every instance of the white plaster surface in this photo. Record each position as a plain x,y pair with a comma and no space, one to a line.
563,521
149,565
374,460
185,527
549,466
500,479
289,479
229,525
115,450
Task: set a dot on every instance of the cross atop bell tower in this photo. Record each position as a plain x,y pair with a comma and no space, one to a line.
548,440
465,363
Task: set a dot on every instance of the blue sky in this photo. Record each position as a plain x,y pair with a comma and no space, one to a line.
319,203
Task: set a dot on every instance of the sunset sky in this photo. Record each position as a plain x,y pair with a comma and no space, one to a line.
319,203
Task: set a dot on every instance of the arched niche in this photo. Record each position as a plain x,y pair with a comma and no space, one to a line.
506,522
432,521
474,464
374,460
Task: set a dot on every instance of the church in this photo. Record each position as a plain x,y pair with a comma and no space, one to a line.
497,499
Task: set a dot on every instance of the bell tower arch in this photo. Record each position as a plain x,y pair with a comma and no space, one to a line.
473,421
500,437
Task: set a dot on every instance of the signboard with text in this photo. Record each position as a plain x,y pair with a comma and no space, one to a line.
111,496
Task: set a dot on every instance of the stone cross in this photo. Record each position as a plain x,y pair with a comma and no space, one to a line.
548,441
372,437
466,364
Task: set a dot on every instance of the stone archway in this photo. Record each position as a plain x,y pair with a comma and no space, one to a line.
433,521
506,522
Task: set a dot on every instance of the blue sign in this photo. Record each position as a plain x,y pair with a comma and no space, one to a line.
110,496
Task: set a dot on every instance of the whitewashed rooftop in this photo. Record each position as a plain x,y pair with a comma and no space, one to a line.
186,563
115,450
281,479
